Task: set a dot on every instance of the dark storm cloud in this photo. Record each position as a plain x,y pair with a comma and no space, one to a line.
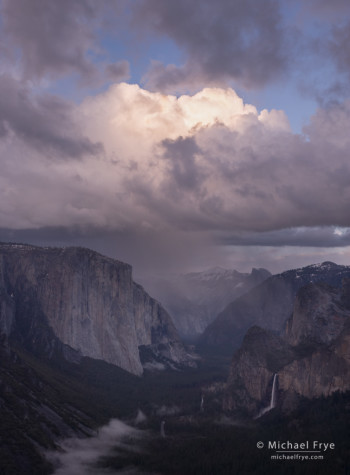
181,158
223,40
261,179
323,59
118,71
144,249
326,8
44,122
52,37
339,46
299,237
239,178
170,78
250,173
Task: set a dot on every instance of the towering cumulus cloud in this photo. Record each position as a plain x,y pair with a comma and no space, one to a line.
176,155
202,162
156,148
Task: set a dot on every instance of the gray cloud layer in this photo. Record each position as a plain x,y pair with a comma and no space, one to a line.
44,122
224,40
161,169
53,37
146,166
316,237
251,43
263,180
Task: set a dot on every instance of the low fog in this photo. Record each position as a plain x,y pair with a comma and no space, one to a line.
79,456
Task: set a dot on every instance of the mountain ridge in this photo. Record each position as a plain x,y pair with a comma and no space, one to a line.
268,305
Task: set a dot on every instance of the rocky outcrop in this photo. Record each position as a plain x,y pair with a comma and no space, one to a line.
319,315
195,299
249,385
84,302
155,329
268,305
311,360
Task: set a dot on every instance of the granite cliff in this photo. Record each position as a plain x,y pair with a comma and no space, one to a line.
81,303
311,359
268,305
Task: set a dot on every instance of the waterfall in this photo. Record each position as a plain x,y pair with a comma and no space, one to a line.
272,399
273,392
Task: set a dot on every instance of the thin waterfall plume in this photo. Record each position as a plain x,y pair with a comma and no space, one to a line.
272,399
273,392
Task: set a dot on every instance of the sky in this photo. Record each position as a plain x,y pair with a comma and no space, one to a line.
178,135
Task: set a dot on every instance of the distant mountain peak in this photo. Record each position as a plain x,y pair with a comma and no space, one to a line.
324,265
217,270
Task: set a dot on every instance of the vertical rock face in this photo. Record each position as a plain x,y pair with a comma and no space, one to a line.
319,315
7,304
267,305
88,301
155,329
319,374
312,359
249,385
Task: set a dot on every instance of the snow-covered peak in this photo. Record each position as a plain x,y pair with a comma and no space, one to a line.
215,273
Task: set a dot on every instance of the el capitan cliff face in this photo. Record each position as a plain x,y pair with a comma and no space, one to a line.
85,300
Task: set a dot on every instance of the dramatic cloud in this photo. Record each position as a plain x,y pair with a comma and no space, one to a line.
222,40
44,122
119,71
205,163
339,46
323,60
153,177
52,38
327,10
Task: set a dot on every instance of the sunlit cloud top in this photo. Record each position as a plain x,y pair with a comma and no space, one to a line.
148,119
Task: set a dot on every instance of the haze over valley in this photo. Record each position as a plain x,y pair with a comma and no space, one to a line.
174,236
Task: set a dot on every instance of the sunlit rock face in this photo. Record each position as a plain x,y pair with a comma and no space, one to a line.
85,300
312,359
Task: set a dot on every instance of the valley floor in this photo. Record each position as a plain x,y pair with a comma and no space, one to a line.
201,445
199,438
